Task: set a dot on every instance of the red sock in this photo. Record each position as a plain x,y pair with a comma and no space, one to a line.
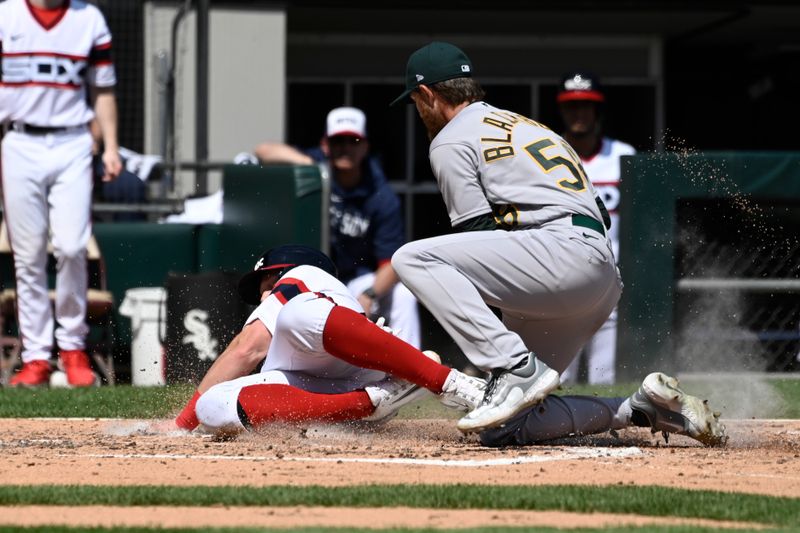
187,419
350,336
261,404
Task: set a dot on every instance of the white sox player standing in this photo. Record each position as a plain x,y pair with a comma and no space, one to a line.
580,100
53,53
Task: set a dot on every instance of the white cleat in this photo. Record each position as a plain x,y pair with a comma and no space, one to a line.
462,392
510,391
390,394
670,410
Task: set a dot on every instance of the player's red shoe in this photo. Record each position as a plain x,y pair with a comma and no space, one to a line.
77,367
33,374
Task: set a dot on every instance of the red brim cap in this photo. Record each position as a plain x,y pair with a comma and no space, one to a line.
572,96
347,133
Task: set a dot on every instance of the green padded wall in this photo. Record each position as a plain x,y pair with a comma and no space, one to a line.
263,207
651,186
141,255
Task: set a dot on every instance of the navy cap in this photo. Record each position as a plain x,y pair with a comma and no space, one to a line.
580,86
278,259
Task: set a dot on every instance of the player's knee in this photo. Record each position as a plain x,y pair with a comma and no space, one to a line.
405,256
216,409
70,252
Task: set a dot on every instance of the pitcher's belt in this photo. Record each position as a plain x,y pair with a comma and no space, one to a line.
589,223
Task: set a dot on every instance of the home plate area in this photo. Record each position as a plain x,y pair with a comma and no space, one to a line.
131,452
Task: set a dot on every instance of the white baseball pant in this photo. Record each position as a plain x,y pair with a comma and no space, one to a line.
555,285
47,183
296,357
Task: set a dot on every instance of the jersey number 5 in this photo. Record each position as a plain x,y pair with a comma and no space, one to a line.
535,149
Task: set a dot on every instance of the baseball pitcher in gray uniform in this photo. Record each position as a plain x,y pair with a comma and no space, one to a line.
532,242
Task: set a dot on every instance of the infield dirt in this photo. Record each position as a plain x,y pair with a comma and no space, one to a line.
762,457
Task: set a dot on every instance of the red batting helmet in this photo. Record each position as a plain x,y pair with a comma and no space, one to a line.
281,259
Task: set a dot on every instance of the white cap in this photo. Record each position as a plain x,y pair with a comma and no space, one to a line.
347,121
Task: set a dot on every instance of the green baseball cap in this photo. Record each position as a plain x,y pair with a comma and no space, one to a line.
433,63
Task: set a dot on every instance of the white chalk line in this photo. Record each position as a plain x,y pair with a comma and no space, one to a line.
767,476
569,454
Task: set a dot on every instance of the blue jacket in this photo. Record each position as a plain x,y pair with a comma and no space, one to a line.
366,221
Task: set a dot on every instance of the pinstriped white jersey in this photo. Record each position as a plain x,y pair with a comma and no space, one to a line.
488,160
45,70
603,170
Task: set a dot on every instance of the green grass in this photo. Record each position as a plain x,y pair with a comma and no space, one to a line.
619,390
121,401
646,500
628,529
789,389
125,401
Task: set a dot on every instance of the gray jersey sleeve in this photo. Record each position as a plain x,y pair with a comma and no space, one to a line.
456,169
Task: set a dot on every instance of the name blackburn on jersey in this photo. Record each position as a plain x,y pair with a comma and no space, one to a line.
505,121
50,68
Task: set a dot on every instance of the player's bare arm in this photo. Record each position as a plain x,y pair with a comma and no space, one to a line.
270,152
105,107
241,356
239,359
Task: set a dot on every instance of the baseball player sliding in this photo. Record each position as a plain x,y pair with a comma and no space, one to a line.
325,360
53,52
533,243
